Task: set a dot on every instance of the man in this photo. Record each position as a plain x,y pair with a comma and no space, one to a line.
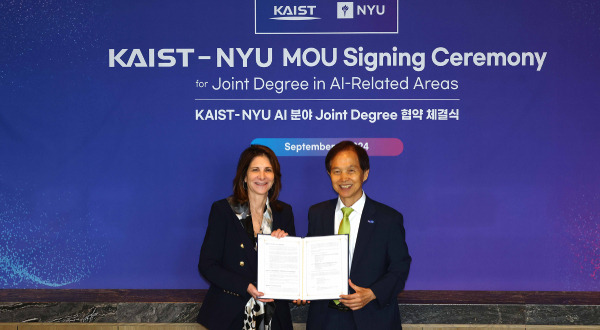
379,260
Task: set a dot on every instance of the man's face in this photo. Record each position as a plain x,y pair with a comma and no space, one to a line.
347,176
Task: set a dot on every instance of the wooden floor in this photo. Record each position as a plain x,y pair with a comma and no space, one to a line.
297,326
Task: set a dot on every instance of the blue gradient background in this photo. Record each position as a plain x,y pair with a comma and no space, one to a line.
106,178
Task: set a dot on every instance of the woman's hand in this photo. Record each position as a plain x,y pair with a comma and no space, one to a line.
299,302
279,233
256,294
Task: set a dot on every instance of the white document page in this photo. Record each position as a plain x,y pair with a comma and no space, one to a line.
326,267
280,267
311,268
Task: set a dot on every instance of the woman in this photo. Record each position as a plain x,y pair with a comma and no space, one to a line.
228,258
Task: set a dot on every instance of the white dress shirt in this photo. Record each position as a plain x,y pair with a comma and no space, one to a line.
354,218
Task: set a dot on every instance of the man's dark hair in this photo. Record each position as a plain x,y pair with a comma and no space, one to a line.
363,158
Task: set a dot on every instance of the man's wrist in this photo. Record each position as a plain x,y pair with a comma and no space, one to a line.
371,295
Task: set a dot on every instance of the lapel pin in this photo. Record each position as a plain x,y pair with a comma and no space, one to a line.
371,221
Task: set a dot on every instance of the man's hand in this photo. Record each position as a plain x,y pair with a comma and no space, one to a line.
359,299
279,233
256,294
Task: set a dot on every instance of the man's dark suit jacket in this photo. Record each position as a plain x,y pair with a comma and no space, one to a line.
229,262
381,262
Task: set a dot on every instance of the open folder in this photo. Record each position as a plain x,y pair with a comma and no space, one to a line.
310,268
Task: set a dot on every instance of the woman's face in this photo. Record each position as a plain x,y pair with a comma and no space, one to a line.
260,176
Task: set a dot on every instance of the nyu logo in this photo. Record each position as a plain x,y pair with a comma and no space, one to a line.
294,13
346,10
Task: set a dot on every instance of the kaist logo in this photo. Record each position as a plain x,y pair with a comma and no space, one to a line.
294,13
346,10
